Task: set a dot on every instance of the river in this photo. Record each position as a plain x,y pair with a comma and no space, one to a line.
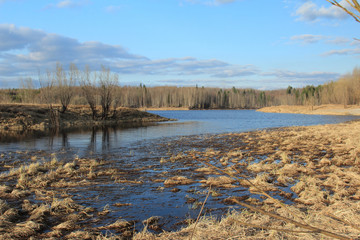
195,122
139,151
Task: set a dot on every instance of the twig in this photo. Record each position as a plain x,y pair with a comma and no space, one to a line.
298,224
305,226
271,228
253,185
198,217
343,221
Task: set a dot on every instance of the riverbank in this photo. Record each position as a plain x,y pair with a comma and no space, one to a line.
328,109
313,170
164,109
25,117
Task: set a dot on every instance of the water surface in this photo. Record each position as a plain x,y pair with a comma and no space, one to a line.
194,122
138,151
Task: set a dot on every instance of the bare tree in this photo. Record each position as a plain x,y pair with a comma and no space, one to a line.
108,82
353,11
27,91
88,85
65,82
47,83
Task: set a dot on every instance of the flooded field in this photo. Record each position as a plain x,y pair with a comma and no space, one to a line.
121,180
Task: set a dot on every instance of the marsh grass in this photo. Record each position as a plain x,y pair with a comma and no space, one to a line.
314,170
55,209
318,165
177,180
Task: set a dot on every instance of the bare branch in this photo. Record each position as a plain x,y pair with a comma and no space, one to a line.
354,4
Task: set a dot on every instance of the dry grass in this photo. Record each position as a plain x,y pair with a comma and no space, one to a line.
328,109
321,166
222,181
177,180
318,168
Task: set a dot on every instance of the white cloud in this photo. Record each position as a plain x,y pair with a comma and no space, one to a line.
315,77
24,51
311,39
13,37
238,71
338,41
68,4
113,8
308,38
211,2
349,51
311,12
224,1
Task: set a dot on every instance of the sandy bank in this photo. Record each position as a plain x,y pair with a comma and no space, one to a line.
328,109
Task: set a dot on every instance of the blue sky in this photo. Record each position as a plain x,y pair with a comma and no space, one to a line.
213,43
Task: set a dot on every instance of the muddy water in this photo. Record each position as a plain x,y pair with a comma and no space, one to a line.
146,157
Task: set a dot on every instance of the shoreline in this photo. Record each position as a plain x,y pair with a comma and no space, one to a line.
163,109
327,109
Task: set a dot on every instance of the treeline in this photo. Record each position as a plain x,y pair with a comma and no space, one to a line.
191,97
345,90
101,91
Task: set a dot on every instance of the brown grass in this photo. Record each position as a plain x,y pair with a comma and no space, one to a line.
328,109
177,180
222,181
319,164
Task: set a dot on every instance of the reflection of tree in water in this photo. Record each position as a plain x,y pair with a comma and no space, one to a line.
52,134
65,140
92,144
105,138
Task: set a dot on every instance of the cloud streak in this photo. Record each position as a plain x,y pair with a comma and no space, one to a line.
308,38
211,2
315,77
312,39
113,8
68,4
349,51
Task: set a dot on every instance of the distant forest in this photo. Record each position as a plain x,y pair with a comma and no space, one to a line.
102,89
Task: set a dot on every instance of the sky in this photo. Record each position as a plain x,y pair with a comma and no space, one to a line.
259,44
